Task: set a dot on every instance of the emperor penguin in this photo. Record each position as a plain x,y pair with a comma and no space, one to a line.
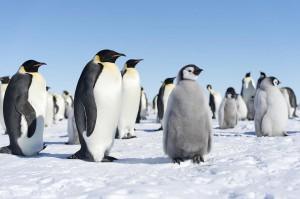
163,96
228,113
97,106
261,77
215,99
69,103
271,110
291,100
72,129
4,83
187,131
24,110
143,106
131,87
241,107
59,107
251,109
248,87
154,104
49,109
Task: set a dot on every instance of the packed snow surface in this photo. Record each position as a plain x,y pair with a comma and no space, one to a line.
240,165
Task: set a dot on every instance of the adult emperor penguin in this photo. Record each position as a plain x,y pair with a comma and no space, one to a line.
248,87
187,121
228,113
49,109
59,107
72,129
271,111
163,96
291,100
251,109
97,105
241,107
143,107
261,77
215,99
24,110
131,92
3,87
68,103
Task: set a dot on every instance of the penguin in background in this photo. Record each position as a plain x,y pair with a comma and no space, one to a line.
241,107
143,107
248,87
59,107
24,110
97,106
187,131
131,94
228,113
163,96
154,105
72,129
291,100
69,103
251,109
49,109
4,83
215,99
261,77
271,110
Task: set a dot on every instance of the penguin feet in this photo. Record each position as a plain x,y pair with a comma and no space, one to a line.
5,150
108,159
129,136
197,159
178,160
159,129
78,155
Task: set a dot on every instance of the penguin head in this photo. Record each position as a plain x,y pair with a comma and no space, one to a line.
230,93
47,88
169,80
5,79
209,87
262,75
274,81
132,63
66,92
31,66
189,72
107,56
248,74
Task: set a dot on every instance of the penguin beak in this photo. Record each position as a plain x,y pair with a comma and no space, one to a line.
118,55
138,60
39,64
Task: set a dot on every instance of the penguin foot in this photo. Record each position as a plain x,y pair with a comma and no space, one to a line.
78,155
108,159
197,159
5,150
178,160
129,137
159,129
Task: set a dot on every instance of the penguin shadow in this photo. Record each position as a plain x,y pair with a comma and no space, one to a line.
150,161
292,132
252,133
50,143
51,155
63,136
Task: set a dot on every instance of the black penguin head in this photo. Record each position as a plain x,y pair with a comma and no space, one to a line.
108,56
169,80
230,93
274,81
248,74
5,79
262,75
189,72
132,63
66,92
47,88
32,66
209,87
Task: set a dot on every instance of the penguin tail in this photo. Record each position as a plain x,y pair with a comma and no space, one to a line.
5,150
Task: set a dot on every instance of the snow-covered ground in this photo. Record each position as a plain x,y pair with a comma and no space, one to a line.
240,165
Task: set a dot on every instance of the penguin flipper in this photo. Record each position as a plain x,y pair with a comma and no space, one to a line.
123,72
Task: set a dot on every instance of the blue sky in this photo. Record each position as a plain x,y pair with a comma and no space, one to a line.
225,38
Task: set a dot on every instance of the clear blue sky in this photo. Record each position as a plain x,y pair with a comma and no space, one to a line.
225,38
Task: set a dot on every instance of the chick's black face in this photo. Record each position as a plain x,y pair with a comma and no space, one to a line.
32,66
230,93
109,55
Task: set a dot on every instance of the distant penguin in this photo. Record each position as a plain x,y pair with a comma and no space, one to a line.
97,106
271,111
131,93
4,84
187,120
291,100
228,113
261,77
251,109
24,110
72,129
154,104
59,107
163,96
144,104
248,87
215,99
68,103
241,107
49,109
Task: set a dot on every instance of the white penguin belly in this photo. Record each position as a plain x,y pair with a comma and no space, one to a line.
107,93
49,111
37,97
2,92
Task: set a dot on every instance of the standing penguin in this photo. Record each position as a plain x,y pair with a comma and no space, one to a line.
97,106
154,104
241,107
24,110
144,105
251,109
59,107
68,103
261,77
248,87
163,96
215,99
291,100
228,113
49,109
271,111
3,87
72,129
131,87
187,121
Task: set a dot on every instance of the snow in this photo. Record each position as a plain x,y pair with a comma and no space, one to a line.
240,165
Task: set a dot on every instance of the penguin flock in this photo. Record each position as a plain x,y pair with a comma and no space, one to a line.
108,103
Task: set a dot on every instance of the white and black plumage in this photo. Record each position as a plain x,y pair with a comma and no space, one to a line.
215,99
69,103
271,111
248,87
49,109
261,77
4,83
291,100
187,120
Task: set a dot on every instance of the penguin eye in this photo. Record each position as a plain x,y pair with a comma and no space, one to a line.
275,82
190,71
